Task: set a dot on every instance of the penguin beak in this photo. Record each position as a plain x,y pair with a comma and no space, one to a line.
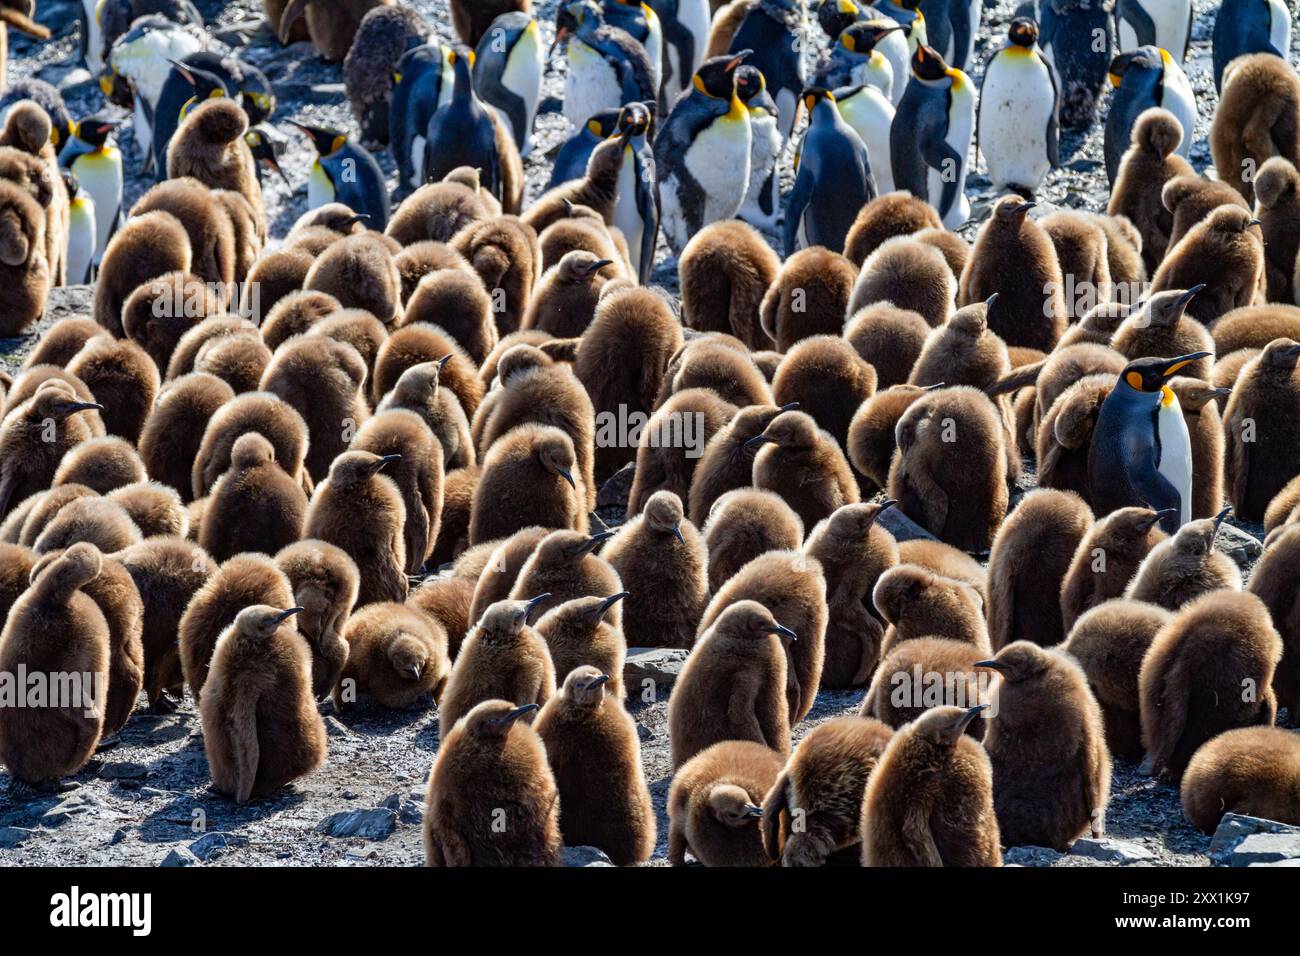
1152,521
532,604
759,440
884,506
1218,519
287,613
988,303
753,812
567,476
1023,209
790,407
1187,297
560,36
272,162
989,665
738,59
387,460
603,607
934,387
74,407
1173,365
1253,222
508,719
351,221
598,265
442,362
677,533
970,715
1115,79
782,630
597,681
595,541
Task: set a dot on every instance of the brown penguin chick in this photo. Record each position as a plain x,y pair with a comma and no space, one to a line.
457,506
1225,372
1182,568
28,459
665,554
212,236
489,762
147,246
1097,326
12,525
417,472
725,271
804,465
733,685
445,600
209,146
423,258
1031,555
339,218
823,784
673,441
100,463
173,432
580,631
923,673
30,380
715,804
1109,642
1208,670
97,520
1277,207
23,266
909,275
527,479
272,276
962,351
563,566
507,256
357,328
276,420
158,313
871,440
248,240
439,210
1191,198
1107,559
396,656
360,510
192,343
719,363
254,506
1064,437
457,302
743,524
1051,768
1015,257
418,391
122,378
295,314
119,601
1054,375
54,628
854,551
727,463
955,249
325,583
1258,117
1082,251
359,271
27,128
950,472
1149,163
888,337
321,379
593,750
16,563
809,297
1253,327
597,190
501,655
331,27
1128,273
1223,253
916,602
621,360
930,799
244,580
416,344
543,392
885,217
61,341
827,379
1205,427
1282,509
383,35
587,233
945,561
1253,771
1273,583
564,301
253,747
1259,422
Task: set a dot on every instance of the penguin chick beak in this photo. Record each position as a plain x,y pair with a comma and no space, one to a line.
989,665
790,407
351,221
595,541
753,812
596,266
1218,519
532,604
1023,209
442,362
1253,222
884,506
603,607
287,613
1155,517
386,461
597,681
970,715
508,719
74,407
759,440
988,303
567,476
677,533
782,630
1188,296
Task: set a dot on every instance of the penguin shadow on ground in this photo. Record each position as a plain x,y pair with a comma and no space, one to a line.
190,816
368,718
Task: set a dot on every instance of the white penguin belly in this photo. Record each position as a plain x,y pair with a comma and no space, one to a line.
1279,31
100,176
961,126
626,217
1181,101
787,105
871,114
765,147
695,16
591,85
1170,19
654,51
143,132
876,72
895,51
94,37
718,160
974,9
1176,452
320,190
417,162
523,77
82,236
672,219
1015,110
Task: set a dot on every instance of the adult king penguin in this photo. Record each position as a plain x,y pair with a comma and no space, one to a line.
1249,26
97,163
1143,78
641,22
186,87
702,153
685,25
772,33
1016,128
422,84
838,16
951,27
636,213
1141,454
508,67
1166,24
464,133
833,181
871,115
607,67
930,138
345,172
856,58
82,234
571,160
762,203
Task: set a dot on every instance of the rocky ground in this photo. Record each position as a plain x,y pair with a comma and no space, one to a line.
146,800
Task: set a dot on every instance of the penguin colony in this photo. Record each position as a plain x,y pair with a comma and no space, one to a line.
361,461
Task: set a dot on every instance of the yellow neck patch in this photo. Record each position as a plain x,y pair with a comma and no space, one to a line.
1166,396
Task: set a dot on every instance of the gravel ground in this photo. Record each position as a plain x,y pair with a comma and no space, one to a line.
147,797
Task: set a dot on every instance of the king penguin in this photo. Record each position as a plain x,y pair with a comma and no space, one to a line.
1141,453
833,181
508,67
871,115
186,87
1075,36
951,27
931,136
702,153
636,213
1016,128
837,16
265,145
1143,78
762,203
345,172
571,160
422,84
92,35
464,133
641,23
773,31
81,231
1166,24
856,58
95,160
685,26
607,67
1249,26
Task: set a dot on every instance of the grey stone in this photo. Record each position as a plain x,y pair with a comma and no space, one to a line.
123,770
412,812
12,836
1295,861
73,805
1235,827
374,824
902,527
613,493
213,844
1030,856
585,856
180,856
1110,851
659,664
1265,848
1242,546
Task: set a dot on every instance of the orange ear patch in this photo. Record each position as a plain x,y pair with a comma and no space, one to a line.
1134,379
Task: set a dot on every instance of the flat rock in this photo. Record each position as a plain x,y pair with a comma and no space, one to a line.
72,805
1110,851
213,844
1266,848
1235,827
374,824
659,664
613,493
1242,546
123,770
180,856
1030,855
585,856
12,836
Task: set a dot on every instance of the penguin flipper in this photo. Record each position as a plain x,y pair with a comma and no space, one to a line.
960,20
647,206
797,202
1159,493
1054,123
938,155
1132,13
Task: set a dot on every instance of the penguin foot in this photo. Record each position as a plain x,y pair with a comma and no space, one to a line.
163,705
108,743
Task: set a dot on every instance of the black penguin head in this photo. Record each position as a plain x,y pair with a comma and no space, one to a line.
604,124
327,141
205,85
928,65
717,77
70,183
1137,61
749,82
574,18
95,130
861,37
834,16
116,87
1023,32
1152,374
813,96
263,148
635,119
255,95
